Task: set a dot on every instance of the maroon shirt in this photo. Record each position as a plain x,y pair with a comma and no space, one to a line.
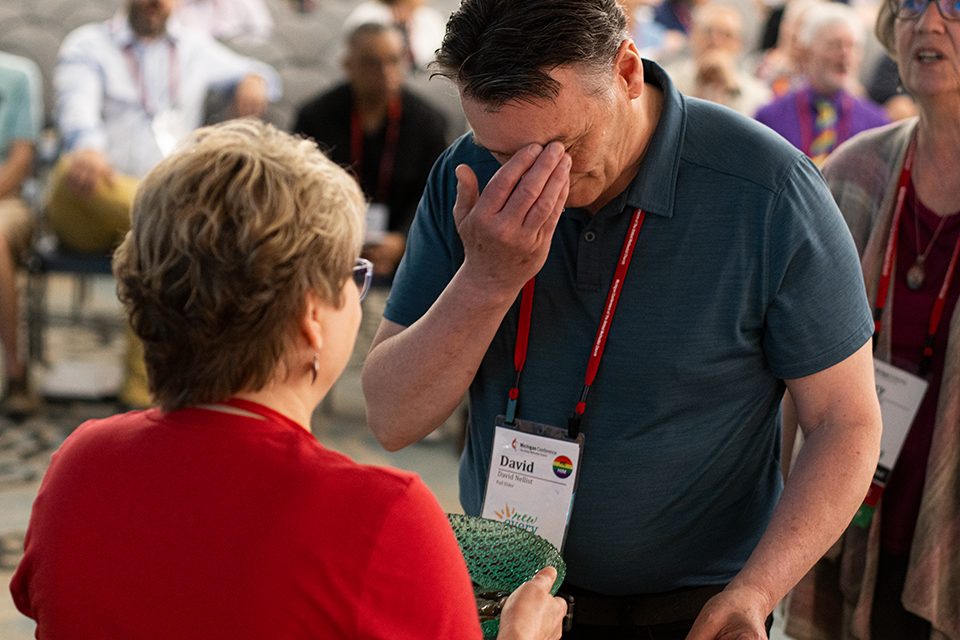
911,316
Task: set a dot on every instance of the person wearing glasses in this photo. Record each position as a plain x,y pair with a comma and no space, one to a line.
631,276
899,190
217,514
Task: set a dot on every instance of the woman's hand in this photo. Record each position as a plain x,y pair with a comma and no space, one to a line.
531,613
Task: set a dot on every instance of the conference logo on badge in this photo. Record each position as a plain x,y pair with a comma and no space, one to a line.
562,467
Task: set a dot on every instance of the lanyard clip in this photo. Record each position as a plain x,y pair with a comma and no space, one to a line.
573,422
511,412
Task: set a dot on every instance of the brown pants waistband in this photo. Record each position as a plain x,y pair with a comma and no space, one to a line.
593,608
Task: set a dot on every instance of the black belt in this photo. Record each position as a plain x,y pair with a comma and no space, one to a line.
591,608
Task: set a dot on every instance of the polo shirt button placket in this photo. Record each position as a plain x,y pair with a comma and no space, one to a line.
589,236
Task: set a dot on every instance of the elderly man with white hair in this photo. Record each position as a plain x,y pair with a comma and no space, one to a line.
823,112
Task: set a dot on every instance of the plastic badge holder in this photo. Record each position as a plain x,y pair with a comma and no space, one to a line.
500,558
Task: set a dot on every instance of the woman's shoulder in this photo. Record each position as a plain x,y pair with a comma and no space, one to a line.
861,154
369,483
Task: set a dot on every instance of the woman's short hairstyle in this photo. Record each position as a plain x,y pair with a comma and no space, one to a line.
884,27
229,234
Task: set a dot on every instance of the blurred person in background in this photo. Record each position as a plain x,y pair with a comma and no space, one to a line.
21,116
781,66
653,40
676,15
824,112
127,91
388,138
713,70
383,132
422,26
898,187
218,514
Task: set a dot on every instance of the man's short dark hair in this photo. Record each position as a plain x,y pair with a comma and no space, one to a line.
370,29
498,51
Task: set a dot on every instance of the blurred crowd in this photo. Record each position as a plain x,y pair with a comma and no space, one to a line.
128,89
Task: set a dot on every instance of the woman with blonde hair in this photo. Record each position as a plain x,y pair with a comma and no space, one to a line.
217,514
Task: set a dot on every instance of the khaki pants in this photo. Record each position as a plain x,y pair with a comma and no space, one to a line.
89,224
97,224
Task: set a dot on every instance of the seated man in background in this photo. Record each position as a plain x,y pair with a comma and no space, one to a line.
823,112
422,26
388,136
21,114
127,91
712,69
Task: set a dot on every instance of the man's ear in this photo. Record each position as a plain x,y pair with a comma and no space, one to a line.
629,68
312,322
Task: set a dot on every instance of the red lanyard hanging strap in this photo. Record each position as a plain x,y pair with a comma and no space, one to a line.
173,77
936,314
889,259
889,256
389,154
599,342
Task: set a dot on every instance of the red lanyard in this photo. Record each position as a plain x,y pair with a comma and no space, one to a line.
599,342
173,77
889,258
807,119
385,173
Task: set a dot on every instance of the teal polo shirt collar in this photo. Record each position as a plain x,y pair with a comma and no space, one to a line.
654,188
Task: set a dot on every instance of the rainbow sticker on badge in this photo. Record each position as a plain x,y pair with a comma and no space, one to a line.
562,466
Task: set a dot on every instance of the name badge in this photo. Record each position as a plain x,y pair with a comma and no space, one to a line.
168,130
533,477
378,217
900,395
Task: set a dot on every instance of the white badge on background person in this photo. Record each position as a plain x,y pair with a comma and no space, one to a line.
378,217
900,395
532,479
168,130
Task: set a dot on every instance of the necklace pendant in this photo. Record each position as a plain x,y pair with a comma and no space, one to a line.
915,276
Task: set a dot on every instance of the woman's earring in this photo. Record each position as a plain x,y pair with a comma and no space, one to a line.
316,367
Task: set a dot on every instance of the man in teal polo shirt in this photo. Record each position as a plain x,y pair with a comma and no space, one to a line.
719,272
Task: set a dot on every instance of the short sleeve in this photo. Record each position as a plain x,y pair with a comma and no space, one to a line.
417,585
817,314
434,251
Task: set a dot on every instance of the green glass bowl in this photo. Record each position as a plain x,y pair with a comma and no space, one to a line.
500,558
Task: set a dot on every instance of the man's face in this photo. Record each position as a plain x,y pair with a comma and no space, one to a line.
376,64
833,58
148,18
586,121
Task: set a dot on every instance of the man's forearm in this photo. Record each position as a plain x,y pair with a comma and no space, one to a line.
825,488
415,379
